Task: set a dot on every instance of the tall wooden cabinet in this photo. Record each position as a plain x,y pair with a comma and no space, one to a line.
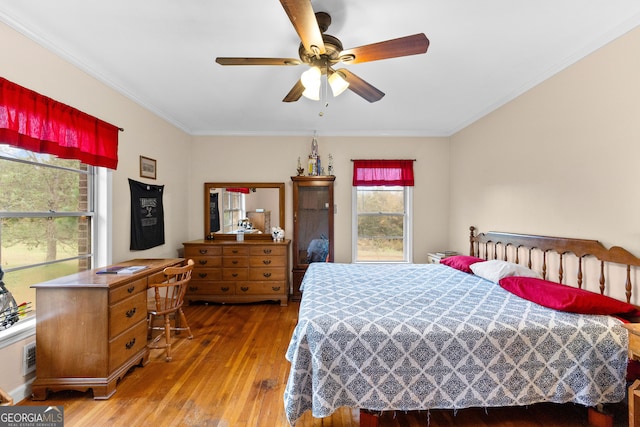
312,225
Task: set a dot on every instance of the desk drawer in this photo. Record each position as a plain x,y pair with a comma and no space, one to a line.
127,313
127,344
127,290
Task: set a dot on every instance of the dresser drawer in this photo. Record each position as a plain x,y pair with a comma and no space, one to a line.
258,288
127,290
235,250
264,273
268,250
206,274
267,261
126,345
206,262
126,313
197,251
219,288
235,274
235,262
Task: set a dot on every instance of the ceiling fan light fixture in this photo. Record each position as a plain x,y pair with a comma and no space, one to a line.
312,93
311,78
338,83
311,81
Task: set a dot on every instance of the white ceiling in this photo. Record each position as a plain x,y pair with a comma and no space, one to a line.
161,53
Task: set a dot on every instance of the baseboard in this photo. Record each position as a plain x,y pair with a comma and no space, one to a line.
23,392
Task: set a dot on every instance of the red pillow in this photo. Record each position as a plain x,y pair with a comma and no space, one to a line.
460,262
565,298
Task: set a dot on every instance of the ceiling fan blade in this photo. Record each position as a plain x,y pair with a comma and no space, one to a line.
295,93
303,18
403,46
257,61
360,87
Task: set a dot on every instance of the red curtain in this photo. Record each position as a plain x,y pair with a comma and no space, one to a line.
238,190
383,172
37,123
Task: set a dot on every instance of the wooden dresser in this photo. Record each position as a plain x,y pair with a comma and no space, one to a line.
91,328
228,271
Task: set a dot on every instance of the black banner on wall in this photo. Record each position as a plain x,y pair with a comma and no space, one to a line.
147,215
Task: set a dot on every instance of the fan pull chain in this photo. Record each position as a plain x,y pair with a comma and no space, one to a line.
324,93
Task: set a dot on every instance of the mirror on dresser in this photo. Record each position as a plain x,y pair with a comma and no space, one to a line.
251,208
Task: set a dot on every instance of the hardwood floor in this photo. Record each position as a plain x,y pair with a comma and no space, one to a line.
233,374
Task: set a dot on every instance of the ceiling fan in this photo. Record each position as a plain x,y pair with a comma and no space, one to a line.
322,52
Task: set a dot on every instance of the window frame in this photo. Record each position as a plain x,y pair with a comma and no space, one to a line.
99,196
232,211
407,238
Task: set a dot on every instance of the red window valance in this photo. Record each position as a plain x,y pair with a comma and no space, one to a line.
238,190
383,172
37,123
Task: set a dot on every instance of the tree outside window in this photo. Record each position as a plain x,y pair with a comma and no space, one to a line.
46,215
381,224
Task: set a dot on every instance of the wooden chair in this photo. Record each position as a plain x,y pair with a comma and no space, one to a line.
167,301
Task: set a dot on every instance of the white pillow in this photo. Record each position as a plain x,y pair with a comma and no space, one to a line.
495,269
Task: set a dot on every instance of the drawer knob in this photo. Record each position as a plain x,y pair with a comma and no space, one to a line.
267,251
266,274
235,251
235,261
202,261
202,275
234,274
266,261
203,251
275,288
131,312
224,289
130,344
131,289
244,288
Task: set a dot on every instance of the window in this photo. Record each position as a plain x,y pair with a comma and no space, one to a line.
382,206
382,224
234,210
46,219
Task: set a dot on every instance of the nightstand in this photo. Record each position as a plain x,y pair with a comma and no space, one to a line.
435,257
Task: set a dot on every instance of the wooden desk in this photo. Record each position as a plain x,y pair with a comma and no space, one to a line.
91,328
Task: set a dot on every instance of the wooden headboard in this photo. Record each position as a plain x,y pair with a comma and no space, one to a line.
539,250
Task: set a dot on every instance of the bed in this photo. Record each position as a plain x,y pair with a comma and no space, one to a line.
384,337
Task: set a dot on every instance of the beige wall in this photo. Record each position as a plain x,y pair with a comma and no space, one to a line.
274,159
560,160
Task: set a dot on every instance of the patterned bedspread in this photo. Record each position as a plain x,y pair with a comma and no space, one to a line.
426,336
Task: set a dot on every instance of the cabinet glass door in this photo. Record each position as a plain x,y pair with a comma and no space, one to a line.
312,239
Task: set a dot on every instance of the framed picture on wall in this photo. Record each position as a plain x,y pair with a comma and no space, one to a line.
147,167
